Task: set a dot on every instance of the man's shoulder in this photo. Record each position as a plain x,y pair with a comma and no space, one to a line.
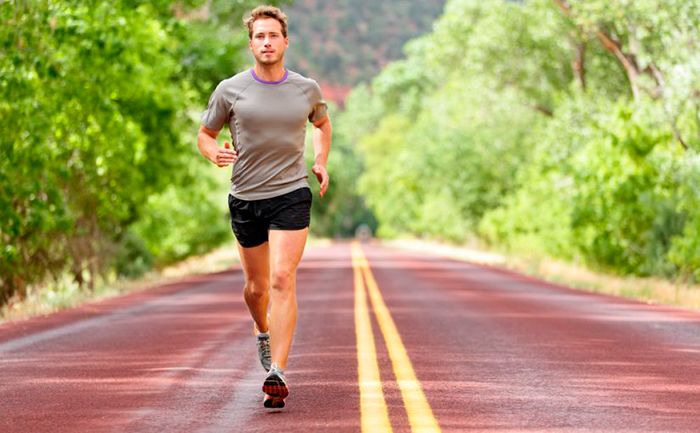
237,82
304,82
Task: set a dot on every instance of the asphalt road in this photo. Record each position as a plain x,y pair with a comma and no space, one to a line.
385,340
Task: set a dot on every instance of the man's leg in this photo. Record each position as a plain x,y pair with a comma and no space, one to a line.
256,266
286,248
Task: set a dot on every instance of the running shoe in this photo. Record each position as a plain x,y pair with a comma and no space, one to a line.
263,344
275,388
273,402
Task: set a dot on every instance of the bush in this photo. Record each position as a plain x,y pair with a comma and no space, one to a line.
133,258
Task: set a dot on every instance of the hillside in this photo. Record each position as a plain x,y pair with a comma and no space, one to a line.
344,42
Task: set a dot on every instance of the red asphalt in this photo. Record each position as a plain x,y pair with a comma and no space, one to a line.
493,351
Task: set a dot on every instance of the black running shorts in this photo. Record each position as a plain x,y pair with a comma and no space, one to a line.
251,220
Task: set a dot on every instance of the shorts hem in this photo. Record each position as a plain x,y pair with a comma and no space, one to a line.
275,227
251,246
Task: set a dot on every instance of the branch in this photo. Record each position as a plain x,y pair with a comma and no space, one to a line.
612,46
629,62
579,64
658,76
674,126
541,108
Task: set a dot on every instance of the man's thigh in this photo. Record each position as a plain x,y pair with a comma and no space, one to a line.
286,248
256,262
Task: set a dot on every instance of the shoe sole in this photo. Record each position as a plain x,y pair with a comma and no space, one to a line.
275,387
273,402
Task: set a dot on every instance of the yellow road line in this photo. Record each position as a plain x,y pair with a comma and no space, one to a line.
420,415
373,411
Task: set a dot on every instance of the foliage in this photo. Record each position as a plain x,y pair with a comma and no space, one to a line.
342,209
92,131
565,128
685,248
97,128
133,258
185,220
559,128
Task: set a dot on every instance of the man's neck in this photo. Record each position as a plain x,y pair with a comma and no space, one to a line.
269,72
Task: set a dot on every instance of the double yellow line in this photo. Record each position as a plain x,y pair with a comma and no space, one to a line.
373,409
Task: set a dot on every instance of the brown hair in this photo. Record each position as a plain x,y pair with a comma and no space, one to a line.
262,12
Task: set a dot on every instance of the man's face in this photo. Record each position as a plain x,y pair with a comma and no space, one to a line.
268,43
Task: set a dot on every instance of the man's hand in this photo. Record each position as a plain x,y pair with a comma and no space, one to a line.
322,176
206,141
321,140
225,156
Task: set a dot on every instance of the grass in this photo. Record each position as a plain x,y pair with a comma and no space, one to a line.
62,294
649,290
58,295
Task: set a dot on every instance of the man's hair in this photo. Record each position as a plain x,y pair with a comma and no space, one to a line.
262,12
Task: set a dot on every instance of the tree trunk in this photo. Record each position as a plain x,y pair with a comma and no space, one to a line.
629,63
579,64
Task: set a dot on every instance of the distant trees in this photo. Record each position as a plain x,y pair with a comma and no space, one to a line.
565,128
348,41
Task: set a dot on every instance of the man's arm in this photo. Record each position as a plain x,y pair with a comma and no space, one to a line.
206,140
321,139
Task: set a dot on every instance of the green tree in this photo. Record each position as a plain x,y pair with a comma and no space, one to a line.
552,127
97,126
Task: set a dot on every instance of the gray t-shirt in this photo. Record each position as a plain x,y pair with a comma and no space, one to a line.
267,120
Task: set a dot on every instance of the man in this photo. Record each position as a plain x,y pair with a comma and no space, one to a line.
266,109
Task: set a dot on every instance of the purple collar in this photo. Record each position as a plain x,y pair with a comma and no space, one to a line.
286,72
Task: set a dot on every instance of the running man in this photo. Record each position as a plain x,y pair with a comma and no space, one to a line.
266,109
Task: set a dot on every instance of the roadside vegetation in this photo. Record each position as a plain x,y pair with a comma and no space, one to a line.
564,129
99,108
651,290
541,129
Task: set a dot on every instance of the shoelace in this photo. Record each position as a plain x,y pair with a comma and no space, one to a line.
265,346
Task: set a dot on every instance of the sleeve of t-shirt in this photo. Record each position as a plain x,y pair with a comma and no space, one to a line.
218,110
319,108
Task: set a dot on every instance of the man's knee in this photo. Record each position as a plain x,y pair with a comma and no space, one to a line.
283,279
256,288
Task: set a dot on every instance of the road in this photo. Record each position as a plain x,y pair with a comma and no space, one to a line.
386,340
